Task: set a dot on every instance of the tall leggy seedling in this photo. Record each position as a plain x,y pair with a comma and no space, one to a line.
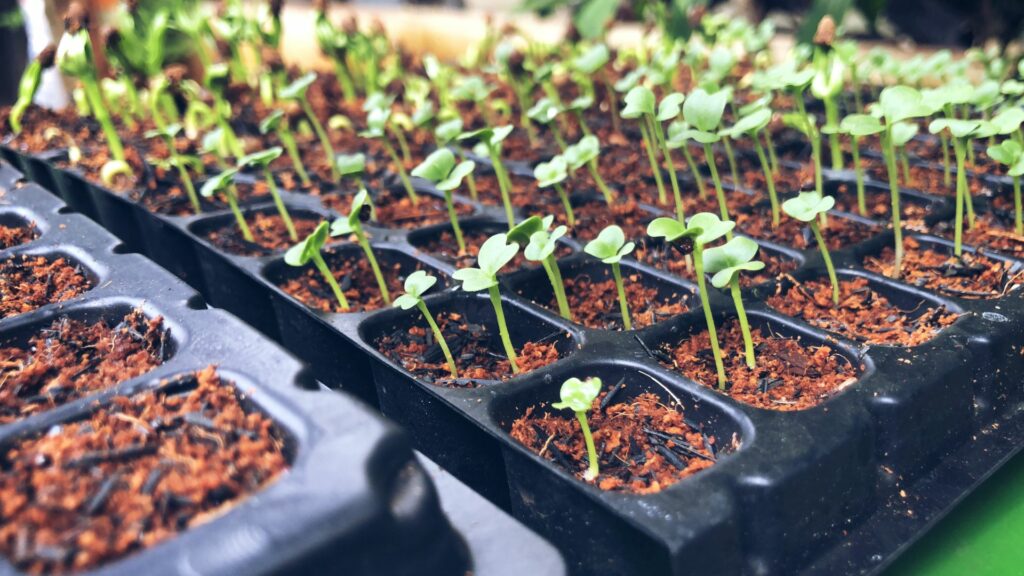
703,113
362,209
610,247
494,254
585,152
807,207
441,169
726,262
217,80
751,125
701,229
1011,154
225,182
492,138
277,122
640,106
578,396
377,121
552,174
262,160
857,126
297,91
415,286
309,250
541,243
31,78
962,131
168,134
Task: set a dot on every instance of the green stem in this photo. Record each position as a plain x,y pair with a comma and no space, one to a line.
592,470
186,179
623,303
741,313
769,180
506,341
828,260
666,153
770,144
904,165
582,123
609,197
281,209
961,183
504,185
732,162
556,133
222,113
439,337
344,80
649,146
698,265
894,195
697,175
816,153
99,111
832,119
551,267
613,106
285,135
403,144
723,208
858,170
569,216
318,260
233,204
454,217
946,176
1018,218
325,141
365,245
402,174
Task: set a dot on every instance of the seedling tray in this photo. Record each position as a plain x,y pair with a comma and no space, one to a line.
354,498
811,491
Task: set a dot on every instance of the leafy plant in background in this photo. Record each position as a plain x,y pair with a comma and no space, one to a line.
440,169
857,126
640,106
726,262
31,78
552,174
807,207
578,396
807,125
703,113
701,229
309,250
362,208
494,254
296,91
225,183
168,134
587,65
962,132
217,79
277,122
335,46
444,134
491,139
376,127
751,126
585,153
541,242
610,247
262,160
415,286
1011,154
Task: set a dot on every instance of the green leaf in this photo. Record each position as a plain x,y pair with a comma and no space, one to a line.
711,226
860,125
417,283
807,205
1007,152
751,123
542,244
578,395
593,17
271,122
522,232
579,154
406,301
610,246
297,89
639,101
960,128
731,258
797,121
262,158
544,111
902,132
704,111
1008,121
472,89
670,229
552,172
580,103
349,164
347,224
475,279
670,106
448,131
217,183
455,177
303,252
902,103
495,253
436,167
591,60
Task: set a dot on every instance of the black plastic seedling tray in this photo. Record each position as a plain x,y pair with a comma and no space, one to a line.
811,491
354,500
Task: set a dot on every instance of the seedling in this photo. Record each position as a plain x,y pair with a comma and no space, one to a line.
588,65
807,125
578,396
376,127
701,229
585,152
726,262
277,122
962,132
362,208
492,138
441,169
751,125
552,174
703,113
858,126
168,133
807,207
335,46
444,134
947,98
639,106
309,249
494,254
544,112
610,247
225,182
31,78
262,161
351,165
829,71
217,78
541,243
1011,153
415,286
679,136
297,91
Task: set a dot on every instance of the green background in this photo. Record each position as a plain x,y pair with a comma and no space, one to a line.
983,536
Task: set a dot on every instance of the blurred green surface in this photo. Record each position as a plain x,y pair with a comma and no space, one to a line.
983,536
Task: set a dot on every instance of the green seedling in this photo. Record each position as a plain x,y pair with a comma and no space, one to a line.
946,99
858,126
492,139
296,91
702,228
225,183
415,286
703,113
309,249
168,133
678,138
552,174
541,243
362,208
494,254
217,79
903,132
440,169
751,125
578,396
1011,154
610,247
962,132
807,125
262,160
640,106
277,122
31,78
592,63
377,120
807,207
726,262
585,153
545,112
335,46
444,134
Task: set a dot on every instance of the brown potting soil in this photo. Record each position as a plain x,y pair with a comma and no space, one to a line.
29,282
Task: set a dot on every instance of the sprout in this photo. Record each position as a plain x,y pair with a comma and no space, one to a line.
277,122
225,182
262,161
1011,153
217,82
610,247
309,249
29,85
297,91
492,138
440,169
902,132
826,85
703,112
678,138
640,106
585,152
551,175
540,247
726,262
946,98
962,132
701,229
858,126
807,125
415,285
494,254
578,396
544,112
444,134
335,46
353,224
168,134
806,207
751,125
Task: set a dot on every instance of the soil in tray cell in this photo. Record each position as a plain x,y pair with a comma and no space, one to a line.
70,359
643,445
879,206
479,357
397,210
355,278
863,314
133,474
789,374
269,233
989,231
30,282
11,236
